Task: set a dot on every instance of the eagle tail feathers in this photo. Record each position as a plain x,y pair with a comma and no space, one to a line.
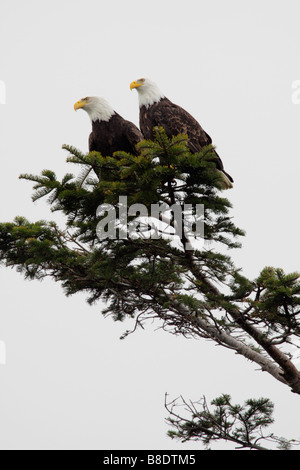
227,184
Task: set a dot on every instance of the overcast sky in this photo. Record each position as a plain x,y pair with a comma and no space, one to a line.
69,382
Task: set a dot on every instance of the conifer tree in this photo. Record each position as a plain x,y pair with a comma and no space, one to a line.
186,282
244,425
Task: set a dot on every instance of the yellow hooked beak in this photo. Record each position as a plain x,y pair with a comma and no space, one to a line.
79,104
134,85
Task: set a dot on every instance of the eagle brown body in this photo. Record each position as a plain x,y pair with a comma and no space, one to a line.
157,110
110,131
116,134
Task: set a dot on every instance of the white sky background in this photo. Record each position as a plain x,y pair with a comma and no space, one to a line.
69,382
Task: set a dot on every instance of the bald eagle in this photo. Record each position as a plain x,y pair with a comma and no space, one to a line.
157,110
110,132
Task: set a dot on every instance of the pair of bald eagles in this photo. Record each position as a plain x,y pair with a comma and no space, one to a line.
110,132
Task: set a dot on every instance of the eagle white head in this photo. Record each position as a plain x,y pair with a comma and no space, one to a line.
96,107
148,91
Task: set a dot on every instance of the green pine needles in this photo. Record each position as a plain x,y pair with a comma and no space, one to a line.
156,267
241,425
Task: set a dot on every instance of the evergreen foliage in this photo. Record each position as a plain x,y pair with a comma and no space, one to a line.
242,425
190,286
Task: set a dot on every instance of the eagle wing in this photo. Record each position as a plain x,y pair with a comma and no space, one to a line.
132,134
92,144
176,120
